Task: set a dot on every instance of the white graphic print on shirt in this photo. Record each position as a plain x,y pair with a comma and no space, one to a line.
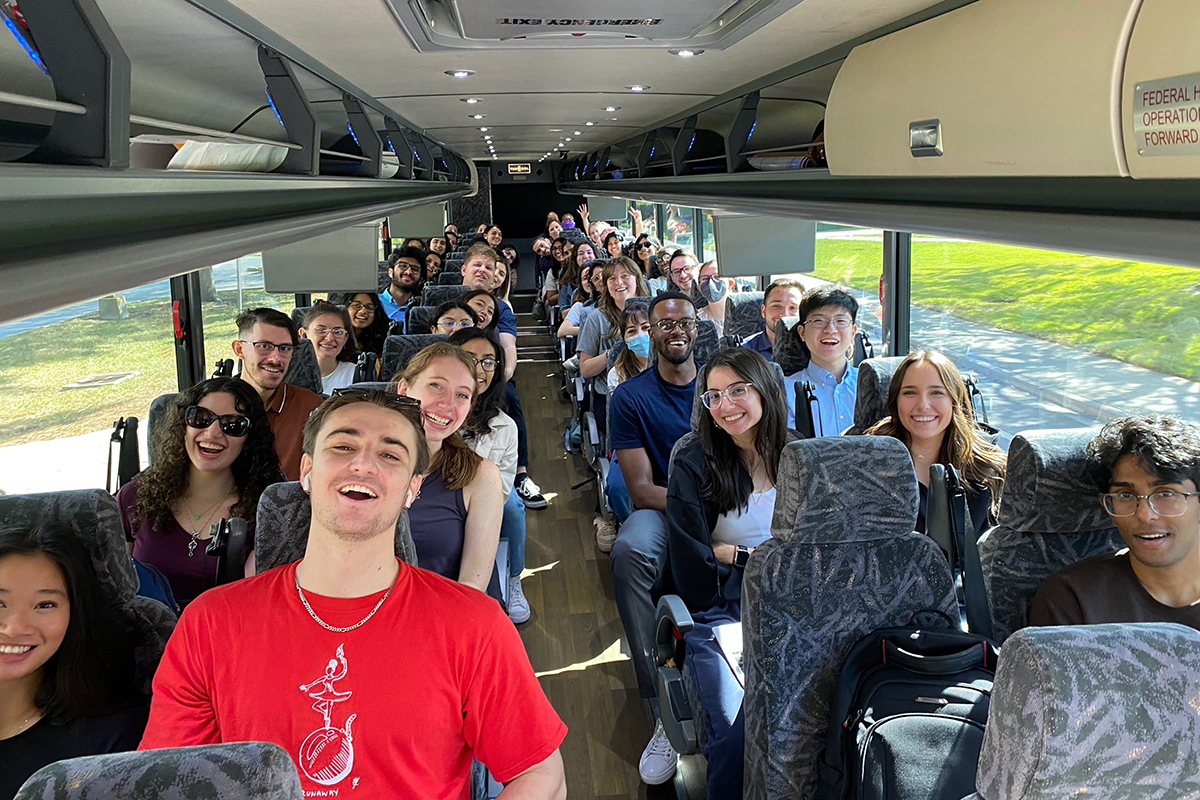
327,755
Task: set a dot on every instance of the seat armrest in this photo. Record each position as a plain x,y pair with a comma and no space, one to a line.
672,621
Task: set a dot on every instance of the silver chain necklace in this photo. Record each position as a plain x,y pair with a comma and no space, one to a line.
329,627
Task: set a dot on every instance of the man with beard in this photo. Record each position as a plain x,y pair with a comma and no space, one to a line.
649,413
406,270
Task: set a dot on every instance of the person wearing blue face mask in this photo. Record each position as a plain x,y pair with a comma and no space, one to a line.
636,356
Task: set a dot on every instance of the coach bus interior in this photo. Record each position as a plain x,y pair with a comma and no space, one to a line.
1013,182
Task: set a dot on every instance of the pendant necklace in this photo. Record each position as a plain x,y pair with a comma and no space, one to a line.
195,532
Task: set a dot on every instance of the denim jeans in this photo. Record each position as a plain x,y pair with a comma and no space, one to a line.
513,528
638,556
721,695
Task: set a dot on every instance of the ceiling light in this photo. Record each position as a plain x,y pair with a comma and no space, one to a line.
472,100
589,124
460,73
637,87
483,130
611,109
578,133
685,53
477,116
568,138
487,136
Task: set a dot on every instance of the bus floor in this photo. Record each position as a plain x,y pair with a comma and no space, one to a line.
574,636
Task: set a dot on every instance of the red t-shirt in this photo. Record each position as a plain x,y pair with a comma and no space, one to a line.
395,708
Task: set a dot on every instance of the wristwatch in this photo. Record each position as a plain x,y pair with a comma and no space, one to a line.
740,556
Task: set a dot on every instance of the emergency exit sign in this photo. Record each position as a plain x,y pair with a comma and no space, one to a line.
518,169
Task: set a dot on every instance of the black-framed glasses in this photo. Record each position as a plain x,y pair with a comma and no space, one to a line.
487,362
234,425
668,325
837,323
733,392
265,348
1167,503
404,266
354,307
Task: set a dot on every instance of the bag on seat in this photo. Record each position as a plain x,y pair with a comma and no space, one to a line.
908,716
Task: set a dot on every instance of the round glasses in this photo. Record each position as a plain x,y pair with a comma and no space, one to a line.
338,333
199,417
1167,503
668,325
733,392
487,362
451,325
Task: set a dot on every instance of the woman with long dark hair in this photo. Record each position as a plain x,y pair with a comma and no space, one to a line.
930,410
487,310
455,518
211,458
560,255
642,251
332,335
66,677
367,318
720,500
569,282
492,433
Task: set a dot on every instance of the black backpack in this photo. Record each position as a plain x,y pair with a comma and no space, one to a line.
907,719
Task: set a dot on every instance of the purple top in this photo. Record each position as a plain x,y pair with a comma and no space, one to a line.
168,549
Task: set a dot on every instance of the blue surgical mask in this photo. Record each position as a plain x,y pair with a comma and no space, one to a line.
639,344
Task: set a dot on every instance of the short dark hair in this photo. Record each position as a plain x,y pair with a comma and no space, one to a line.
389,400
674,294
782,283
407,251
458,303
1166,447
267,316
827,296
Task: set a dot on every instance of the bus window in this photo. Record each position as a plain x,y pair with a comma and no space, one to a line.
708,241
680,231
1056,339
239,285
649,218
68,374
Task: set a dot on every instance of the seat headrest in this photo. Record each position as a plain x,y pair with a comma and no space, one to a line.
1048,487
237,771
284,515
93,515
870,399
838,489
789,351
1108,707
436,295
708,340
303,371
420,319
743,314
397,350
298,315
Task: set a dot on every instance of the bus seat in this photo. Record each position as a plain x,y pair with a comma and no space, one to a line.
708,340
870,398
1098,706
436,295
156,416
842,561
789,352
382,386
1049,519
298,315
743,315
93,515
235,771
419,319
284,514
303,371
397,350
450,278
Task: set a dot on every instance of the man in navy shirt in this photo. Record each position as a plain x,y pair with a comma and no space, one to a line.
647,414
781,299
406,270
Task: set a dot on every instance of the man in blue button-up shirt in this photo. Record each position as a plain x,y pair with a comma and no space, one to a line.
827,317
406,268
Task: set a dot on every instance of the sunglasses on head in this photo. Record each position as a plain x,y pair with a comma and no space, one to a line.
231,424
391,397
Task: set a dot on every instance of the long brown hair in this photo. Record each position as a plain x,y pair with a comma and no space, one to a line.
457,462
963,444
626,364
606,303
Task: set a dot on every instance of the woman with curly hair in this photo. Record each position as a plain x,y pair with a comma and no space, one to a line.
211,458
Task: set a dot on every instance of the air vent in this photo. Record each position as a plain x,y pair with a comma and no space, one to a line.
509,24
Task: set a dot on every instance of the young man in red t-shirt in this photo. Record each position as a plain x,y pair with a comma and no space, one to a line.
381,680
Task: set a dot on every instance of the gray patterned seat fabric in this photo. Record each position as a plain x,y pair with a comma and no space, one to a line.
743,314
420,319
237,771
789,352
1096,711
708,340
156,415
870,398
298,314
436,295
1050,517
93,515
450,277
397,350
303,370
284,514
842,561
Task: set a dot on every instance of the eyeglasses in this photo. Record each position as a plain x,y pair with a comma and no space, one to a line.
644,246
404,266
487,362
265,348
454,325
668,325
1167,503
321,330
837,323
355,306
234,425
675,273
733,392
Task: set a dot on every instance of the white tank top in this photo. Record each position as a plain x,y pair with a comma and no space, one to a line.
747,527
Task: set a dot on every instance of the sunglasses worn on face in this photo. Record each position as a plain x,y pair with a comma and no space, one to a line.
234,425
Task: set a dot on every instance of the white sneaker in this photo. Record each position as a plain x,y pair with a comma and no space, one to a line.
606,534
518,606
659,759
